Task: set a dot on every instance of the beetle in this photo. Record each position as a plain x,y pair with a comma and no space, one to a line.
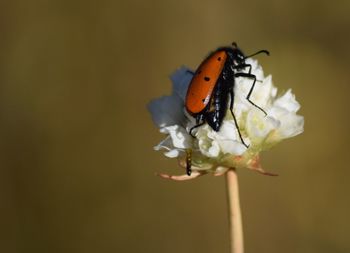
211,90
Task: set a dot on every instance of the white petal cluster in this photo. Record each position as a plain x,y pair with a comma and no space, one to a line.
258,130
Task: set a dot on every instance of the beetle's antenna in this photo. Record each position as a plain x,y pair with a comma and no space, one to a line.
259,52
234,44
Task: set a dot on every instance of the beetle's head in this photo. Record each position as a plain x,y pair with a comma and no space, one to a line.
237,54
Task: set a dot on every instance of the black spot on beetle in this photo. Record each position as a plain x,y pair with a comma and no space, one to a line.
206,78
199,71
219,59
203,100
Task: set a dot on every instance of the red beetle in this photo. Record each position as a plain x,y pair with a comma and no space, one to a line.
213,84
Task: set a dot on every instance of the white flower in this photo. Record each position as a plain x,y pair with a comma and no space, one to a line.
226,141
212,150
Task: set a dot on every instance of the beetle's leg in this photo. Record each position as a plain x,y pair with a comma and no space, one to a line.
198,125
242,66
251,89
199,122
188,161
234,118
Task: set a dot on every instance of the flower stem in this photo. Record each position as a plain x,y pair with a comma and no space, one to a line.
235,218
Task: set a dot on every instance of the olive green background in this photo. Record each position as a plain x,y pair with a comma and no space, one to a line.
76,160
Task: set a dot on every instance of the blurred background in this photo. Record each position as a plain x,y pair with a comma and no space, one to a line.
76,159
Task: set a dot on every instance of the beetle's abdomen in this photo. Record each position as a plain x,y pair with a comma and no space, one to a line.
218,107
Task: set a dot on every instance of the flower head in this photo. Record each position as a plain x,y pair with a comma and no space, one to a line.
216,151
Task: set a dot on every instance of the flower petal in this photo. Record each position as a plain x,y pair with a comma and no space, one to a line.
232,147
288,102
183,177
172,153
179,136
290,123
164,144
181,78
166,111
259,126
